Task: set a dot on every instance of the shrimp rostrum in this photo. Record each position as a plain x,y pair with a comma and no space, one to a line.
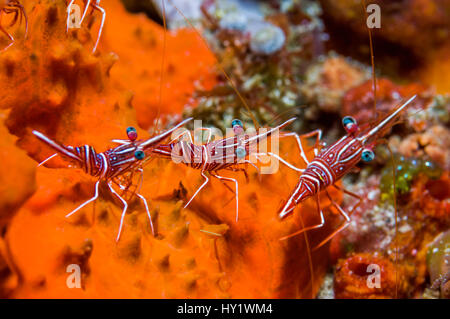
116,166
332,163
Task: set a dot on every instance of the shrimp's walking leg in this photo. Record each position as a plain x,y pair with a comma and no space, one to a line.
359,198
280,159
236,193
317,133
5,32
188,134
198,190
185,132
344,225
86,8
205,129
205,161
148,212
69,7
26,19
96,6
322,222
86,202
125,207
47,159
144,200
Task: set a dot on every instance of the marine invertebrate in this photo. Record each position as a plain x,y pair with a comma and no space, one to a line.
115,166
333,162
221,154
16,8
69,95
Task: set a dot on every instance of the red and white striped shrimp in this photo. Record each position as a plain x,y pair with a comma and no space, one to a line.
223,154
332,163
115,166
95,4
12,6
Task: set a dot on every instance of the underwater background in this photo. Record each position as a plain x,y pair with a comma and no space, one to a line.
262,62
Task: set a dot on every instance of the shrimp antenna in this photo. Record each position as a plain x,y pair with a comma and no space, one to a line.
161,78
255,122
394,199
374,85
310,262
372,60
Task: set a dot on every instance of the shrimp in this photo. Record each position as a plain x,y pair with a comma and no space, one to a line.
115,166
223,154
332,163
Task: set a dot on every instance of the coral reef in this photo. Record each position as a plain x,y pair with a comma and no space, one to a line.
438,260
359,100
352,277
266,67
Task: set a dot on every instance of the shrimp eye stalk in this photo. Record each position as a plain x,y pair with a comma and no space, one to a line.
350,124
132,133
236,122
139,155
367,155
238,127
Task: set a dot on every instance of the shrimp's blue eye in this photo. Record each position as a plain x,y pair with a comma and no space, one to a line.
132,134
139,155
240,152
348,120
130,129
367,155
236,123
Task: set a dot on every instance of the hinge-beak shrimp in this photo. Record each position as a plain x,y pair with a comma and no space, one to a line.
12,6
115,166
95,4
227,153
333,162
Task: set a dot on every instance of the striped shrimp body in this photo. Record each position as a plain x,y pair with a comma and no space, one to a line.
223,154
332,163
15,7
116,166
